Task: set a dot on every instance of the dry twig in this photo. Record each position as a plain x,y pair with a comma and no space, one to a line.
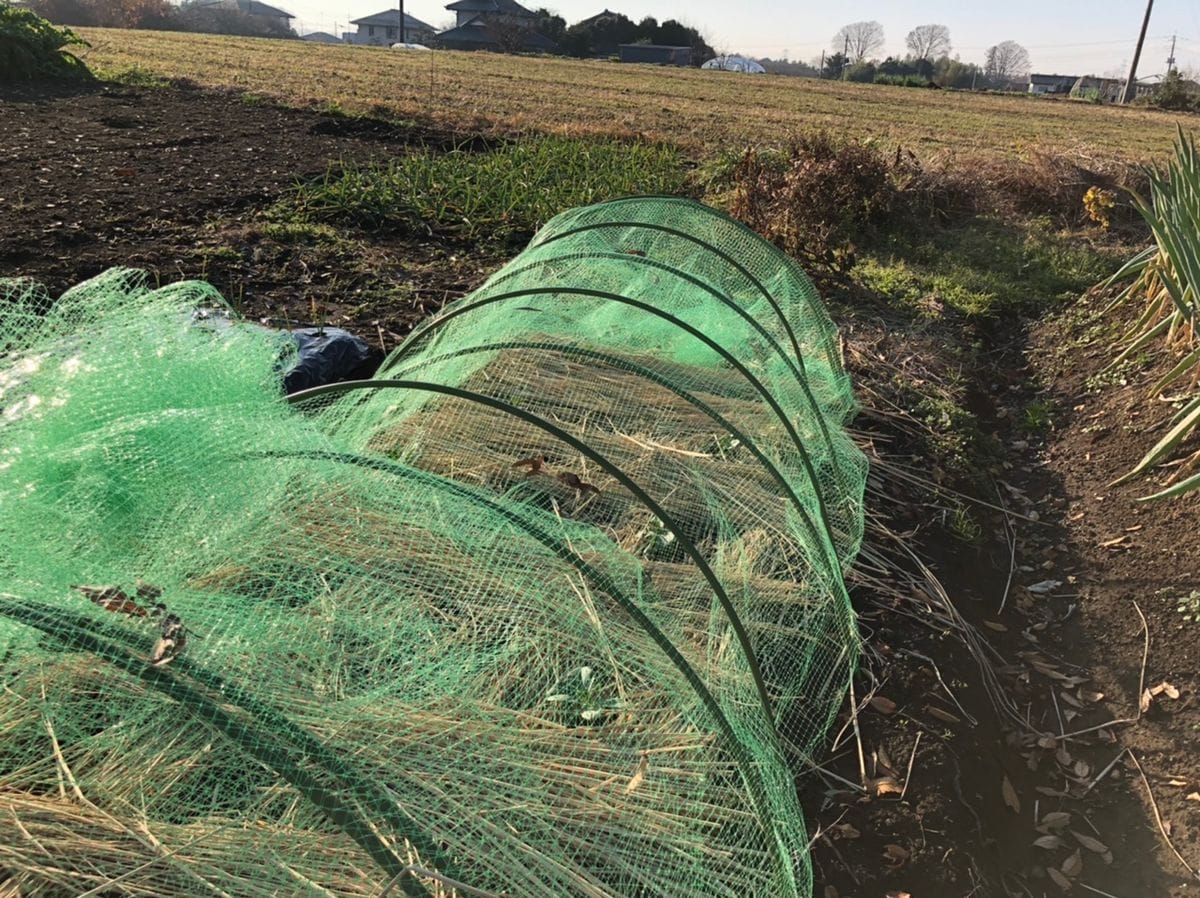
1158,818
908,773
862,761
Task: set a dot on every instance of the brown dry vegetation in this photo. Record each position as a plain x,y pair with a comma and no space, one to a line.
701,110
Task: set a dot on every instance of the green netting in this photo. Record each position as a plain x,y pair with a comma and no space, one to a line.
552,607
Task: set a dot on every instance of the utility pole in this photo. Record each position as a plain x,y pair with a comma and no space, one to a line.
821,70
402,40
845,56
1131,83
1171,58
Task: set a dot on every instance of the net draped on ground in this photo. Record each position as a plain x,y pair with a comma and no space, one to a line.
553,606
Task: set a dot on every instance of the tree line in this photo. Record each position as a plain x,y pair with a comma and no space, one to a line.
855,58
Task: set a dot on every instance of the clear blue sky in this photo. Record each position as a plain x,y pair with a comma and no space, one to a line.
1066,36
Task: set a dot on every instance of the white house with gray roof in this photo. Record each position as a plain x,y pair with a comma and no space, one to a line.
383,29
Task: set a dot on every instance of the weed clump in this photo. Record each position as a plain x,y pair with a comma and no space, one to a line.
31,48
816,198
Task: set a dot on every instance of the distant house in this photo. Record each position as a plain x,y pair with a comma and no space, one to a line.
1109,90
592,20
321,37
482,33
495,10
277,16
1052,84
383,29
263,10
497,25
656,54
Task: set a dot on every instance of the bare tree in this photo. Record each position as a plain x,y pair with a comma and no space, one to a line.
859,40
929,42
511,34
1006,62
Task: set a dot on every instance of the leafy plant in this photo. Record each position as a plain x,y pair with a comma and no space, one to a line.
1038,416
1167,277
1188,607
1176,93
32,48
581,697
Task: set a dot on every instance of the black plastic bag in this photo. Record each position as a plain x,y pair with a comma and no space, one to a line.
327,355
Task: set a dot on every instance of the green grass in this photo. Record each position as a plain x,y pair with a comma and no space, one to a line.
499,195
136,76
984,267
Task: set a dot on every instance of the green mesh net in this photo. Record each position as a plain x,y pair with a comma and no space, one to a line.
552,607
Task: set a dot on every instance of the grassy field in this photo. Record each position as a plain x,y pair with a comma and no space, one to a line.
703,111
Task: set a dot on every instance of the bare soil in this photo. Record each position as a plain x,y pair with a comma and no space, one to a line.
179,182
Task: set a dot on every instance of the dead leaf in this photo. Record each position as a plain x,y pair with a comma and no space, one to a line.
1089,843
831,892
1087,695
885,785
1063,756
1056,819
1171,691
639,775
895,854
943,716
1059,879
884,759
1193,796
1144,703
993,625
1176,781
1114,542
847,831
1070,699
1082,768
1050,843
1042,666
898,895
882,705
1047,742
1073,865
1045,587
1010,795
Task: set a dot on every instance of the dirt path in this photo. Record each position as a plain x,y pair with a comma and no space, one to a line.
1128,557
